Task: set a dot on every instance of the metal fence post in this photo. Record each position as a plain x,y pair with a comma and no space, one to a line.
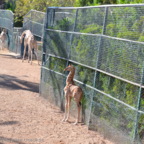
43,47
138,105
98,59
44,36
31,29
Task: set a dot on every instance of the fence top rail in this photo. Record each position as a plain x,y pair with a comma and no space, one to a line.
37,11
34,11
90,34
7,10
17,27
100,6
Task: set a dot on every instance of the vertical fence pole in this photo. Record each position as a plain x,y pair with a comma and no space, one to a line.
135,136
44,37
43,50
31,16
12,44
98,60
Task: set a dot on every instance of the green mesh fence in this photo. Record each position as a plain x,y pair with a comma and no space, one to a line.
105,44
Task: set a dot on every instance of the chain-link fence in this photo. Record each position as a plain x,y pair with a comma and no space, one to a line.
17,31
13,34
105,44
34,21
6,22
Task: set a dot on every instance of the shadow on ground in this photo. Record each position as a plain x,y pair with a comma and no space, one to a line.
14,83
10,140
6,123
8,56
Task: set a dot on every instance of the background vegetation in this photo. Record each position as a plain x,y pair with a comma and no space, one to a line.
22,7
117,58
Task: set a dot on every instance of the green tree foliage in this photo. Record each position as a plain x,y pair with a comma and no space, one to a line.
24,6
10,5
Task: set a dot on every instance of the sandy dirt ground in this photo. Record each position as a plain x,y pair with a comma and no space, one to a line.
27,118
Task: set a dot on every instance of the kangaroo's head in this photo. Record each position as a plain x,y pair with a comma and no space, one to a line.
70,68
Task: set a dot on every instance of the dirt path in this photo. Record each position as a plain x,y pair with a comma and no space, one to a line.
26,118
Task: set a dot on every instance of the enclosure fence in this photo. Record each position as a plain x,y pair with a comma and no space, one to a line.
17,31
6,21
105,44
34,21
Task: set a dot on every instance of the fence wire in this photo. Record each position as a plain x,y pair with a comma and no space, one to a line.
17,31
105,44
34,21
6,22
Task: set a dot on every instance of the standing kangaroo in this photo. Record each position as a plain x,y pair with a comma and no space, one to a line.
72,91
31,43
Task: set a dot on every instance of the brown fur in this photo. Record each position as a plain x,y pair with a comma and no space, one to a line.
72,91
30,42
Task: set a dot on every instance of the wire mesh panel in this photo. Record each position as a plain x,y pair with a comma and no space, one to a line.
52,87
58,43
60,19
122,58
6,22
84,49
105,44
90,20
125,22
6,19
112,119
27,21
16,35
34,21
